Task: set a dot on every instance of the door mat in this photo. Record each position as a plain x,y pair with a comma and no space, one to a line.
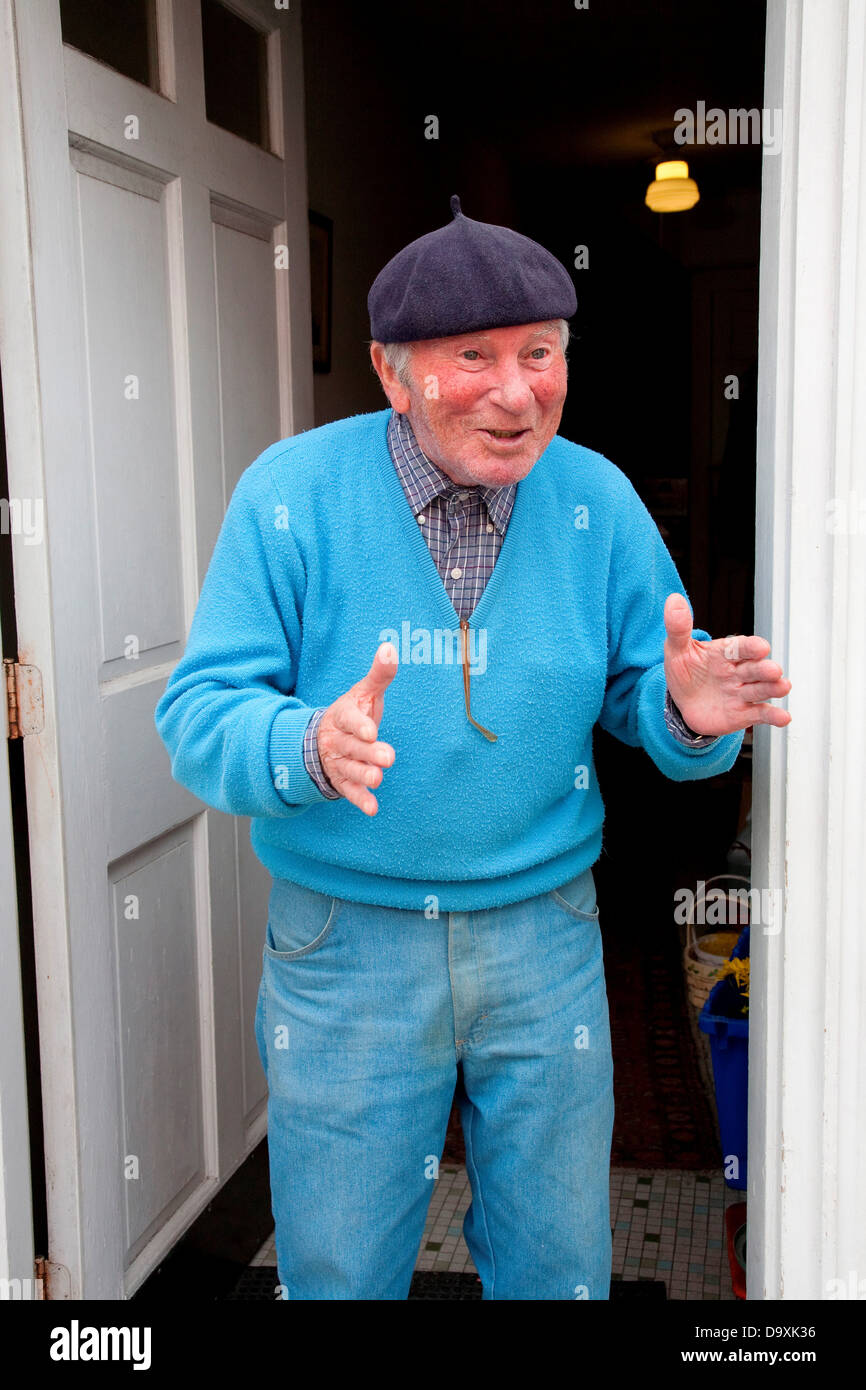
258,1282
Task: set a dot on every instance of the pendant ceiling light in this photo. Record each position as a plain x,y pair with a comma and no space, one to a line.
672,190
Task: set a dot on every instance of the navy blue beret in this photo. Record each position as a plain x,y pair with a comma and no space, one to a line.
464,277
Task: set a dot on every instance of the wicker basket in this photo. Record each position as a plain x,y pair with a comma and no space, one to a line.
703,968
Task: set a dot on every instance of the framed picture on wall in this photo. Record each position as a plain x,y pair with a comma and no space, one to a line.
321,255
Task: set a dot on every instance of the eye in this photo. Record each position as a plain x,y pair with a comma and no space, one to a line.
545,352
471,354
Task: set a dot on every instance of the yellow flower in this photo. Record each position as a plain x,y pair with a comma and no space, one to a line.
739,969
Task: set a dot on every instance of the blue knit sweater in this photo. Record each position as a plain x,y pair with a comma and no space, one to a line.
318,560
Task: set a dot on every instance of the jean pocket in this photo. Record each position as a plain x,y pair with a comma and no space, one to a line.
577,897
300,920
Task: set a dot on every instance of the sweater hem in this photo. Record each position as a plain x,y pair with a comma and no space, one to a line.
470,895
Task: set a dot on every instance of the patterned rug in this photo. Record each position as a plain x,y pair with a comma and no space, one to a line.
664,1117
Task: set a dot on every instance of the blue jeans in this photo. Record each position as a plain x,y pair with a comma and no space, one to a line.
363,1015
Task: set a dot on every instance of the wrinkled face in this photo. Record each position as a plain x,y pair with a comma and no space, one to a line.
484,406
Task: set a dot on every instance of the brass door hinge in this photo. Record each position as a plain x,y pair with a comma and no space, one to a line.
25,713
52,1281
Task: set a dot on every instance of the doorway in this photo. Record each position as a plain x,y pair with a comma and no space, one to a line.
667,319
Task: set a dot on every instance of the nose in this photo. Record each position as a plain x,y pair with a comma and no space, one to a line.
511,389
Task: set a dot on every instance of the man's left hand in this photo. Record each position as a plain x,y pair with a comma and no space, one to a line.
720,686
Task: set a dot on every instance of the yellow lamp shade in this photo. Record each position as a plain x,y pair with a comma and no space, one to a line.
672,190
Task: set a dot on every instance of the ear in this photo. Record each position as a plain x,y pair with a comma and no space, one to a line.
391,384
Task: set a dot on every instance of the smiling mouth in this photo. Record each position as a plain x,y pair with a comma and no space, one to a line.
504,434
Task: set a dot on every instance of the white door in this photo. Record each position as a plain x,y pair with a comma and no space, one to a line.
154,289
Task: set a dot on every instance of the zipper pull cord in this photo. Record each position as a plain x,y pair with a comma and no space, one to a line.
464,641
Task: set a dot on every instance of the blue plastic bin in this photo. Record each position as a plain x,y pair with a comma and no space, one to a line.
729,1047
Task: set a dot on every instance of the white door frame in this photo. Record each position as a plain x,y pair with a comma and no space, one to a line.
16,1218
807,1057
21,422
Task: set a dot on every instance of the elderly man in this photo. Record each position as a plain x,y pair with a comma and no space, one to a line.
512,591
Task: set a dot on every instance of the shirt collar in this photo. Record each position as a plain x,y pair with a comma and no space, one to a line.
422,480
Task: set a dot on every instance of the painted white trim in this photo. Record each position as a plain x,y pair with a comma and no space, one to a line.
807,1105
294,314
26,463
16,1222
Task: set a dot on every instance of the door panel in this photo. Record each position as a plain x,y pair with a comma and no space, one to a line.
247,313
132,418
159,1025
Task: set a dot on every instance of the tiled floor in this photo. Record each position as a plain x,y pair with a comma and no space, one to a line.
671,1226
442,1245
666,1225
266,1254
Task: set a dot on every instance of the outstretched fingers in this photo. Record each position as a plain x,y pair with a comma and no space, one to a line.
755,691
767,714
360,797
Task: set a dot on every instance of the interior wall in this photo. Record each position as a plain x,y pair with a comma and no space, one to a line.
346,117
374,172
362,163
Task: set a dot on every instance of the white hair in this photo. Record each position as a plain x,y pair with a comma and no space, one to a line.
399,355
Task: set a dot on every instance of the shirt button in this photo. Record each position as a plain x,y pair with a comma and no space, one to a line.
456,572
421,520
490,526
463,496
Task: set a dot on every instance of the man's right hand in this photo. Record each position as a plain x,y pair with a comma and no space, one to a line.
351,757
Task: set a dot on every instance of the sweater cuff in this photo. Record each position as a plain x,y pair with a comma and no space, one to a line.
292,782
